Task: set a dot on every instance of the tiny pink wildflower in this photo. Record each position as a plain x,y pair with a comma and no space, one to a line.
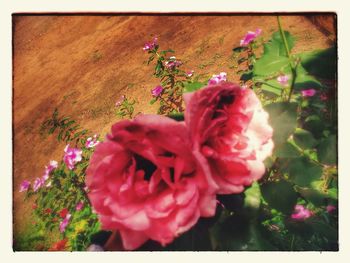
157,91
24,186
190,73
301,213
64,223
249,37
120,101
48,169
38,183
330,208
308,92
151,45
79,206
215,79
283,80
172,63
92,141
71,156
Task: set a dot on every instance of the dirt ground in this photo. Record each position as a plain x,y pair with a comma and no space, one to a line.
83,64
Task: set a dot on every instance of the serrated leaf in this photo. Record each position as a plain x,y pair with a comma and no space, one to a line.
276,46
283,119
304,139
327,150
279,195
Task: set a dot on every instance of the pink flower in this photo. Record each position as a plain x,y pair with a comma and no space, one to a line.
230,135
283,80
79,206
190,73
151,45
92,142
38,183
64,223
48,169
24,186
215,79
330,208
120,101
308,92
249,37
71,156
301,213
157,91
145,182
172,63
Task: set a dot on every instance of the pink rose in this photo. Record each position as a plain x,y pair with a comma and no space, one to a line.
230,134
145,182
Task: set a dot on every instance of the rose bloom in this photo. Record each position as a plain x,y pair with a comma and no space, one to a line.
230,134
145,182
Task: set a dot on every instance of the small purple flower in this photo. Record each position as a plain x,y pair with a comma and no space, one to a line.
151,45
92,142
71,156
157,91
301,213
79,206
249,37
24,186
215,79
120,101
38,183
64,223
308,92
190,73
330,208
283,80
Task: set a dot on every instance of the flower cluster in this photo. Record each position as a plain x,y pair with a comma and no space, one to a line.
148,186
149,46
72,156
39,181
91,142
172,63
301,213
249,37
216,79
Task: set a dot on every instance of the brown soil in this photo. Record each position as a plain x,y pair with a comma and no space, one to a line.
82,64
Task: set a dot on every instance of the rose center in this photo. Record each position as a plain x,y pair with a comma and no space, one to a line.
146,165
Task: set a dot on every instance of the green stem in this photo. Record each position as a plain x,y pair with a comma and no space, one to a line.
286,47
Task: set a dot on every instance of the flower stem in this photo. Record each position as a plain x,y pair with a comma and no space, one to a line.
292,67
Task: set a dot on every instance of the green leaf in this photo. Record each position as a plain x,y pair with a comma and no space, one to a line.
252,197
272,86
327,150
304,80
283,119
322,63
304,138
286,150
314,196
267,65
280,195
276,46
302,171
153,101
323,229
193,86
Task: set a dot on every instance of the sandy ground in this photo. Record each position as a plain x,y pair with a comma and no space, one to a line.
83,64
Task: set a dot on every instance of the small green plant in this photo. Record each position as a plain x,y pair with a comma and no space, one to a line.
125,107
68,130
